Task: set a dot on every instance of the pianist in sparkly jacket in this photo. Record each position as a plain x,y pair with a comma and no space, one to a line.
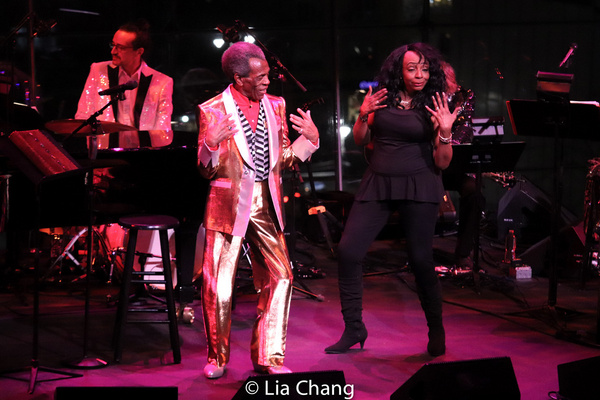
147,108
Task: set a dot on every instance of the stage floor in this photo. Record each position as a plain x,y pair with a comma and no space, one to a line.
484,318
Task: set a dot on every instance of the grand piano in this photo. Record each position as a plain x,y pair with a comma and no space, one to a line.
161,180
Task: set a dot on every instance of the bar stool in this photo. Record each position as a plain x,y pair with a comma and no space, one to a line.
161,223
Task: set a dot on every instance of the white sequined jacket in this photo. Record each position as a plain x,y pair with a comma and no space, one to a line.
153,114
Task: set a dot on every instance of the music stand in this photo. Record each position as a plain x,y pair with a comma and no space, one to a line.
480,157
537,118
41,159
558,119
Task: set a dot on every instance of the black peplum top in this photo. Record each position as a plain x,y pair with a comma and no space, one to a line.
401,166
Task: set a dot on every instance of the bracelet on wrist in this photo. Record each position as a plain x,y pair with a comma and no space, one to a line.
365,118
445,140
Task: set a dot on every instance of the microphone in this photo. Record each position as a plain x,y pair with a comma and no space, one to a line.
232,33
567,60
240,26
119,89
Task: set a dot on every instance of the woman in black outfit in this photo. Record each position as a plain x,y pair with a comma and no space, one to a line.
409,123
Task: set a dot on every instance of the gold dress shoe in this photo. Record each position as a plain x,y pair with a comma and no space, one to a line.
272,370
278,370
211,371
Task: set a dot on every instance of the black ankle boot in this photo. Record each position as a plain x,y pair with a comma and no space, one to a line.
437,342
351,336
431,302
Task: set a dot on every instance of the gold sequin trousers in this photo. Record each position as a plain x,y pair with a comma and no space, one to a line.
272,274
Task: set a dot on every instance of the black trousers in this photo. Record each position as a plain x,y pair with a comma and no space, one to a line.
366,220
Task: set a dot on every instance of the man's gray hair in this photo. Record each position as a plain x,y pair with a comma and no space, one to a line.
236,59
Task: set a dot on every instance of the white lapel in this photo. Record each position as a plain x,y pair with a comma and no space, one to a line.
240,135
273,129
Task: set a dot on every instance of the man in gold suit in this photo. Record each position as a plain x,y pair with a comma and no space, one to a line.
243,147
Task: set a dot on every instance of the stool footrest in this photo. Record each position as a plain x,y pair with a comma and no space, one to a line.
148,322
149,281
148,309
148,273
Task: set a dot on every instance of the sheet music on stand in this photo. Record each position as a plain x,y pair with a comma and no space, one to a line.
488,130
485,157
38,156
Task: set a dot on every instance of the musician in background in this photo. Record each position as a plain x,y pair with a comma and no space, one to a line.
471,201
243,147
148,107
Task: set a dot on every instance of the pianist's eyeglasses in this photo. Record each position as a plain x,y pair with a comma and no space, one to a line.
119,47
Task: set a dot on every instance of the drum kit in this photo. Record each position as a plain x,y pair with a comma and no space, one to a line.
109,240
108,249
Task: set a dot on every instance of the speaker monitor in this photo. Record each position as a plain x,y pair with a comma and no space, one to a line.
489,379
578,380
115,392
528,211
570,251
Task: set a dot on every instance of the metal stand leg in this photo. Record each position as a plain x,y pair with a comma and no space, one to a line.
66,253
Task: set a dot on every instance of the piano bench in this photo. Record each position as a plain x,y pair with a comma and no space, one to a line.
160,223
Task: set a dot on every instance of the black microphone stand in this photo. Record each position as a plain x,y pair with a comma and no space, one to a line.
296,265
318,208
86,362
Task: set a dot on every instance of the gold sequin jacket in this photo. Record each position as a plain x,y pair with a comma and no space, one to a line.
231,169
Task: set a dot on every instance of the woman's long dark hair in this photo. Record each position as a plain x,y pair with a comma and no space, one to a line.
390,76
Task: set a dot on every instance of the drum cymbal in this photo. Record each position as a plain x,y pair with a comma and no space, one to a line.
67,126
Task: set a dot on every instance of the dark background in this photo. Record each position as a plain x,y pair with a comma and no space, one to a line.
330,47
